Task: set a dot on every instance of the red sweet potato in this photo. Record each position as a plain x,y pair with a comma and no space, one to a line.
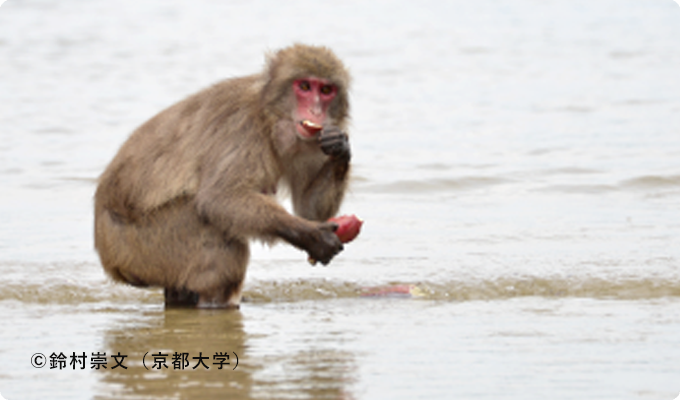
348,227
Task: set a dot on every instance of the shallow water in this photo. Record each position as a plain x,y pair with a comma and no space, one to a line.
516,163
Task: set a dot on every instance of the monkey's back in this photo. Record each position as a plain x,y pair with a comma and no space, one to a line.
162,159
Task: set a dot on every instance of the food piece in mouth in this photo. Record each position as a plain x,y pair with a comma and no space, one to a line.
310,128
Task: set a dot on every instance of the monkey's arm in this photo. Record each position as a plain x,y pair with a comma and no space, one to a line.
319,197
239,210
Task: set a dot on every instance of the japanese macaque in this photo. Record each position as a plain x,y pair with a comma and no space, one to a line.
180,201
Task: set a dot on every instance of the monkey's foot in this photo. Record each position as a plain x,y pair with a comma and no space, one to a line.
232,301
180,298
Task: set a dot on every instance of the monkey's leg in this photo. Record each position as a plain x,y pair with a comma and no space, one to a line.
174,249
218,280
224,297
214,278
180,298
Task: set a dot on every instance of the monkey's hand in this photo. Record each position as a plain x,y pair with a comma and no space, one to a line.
324,243
335,143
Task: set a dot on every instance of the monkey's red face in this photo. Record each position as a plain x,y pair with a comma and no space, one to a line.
313,97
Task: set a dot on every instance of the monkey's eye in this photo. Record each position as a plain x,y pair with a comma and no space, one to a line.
305,86
327,89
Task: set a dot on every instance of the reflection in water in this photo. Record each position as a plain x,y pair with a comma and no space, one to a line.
307,372
182,331
316,373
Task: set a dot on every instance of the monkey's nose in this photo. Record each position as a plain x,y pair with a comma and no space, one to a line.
315,108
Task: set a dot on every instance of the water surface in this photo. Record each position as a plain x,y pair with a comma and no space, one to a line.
517,162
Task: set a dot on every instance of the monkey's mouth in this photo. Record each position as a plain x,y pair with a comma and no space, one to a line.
308,129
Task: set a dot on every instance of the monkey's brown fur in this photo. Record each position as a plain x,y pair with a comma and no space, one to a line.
179,202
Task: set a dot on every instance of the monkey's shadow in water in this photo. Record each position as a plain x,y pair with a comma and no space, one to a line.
318,373
179,330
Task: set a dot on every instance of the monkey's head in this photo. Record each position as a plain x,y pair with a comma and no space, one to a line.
309,85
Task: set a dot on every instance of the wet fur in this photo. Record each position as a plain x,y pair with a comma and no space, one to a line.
179,202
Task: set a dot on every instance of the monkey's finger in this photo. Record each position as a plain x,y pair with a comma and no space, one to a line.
334,136
332,150
331,130
335,148
332,226
334,141
327,140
